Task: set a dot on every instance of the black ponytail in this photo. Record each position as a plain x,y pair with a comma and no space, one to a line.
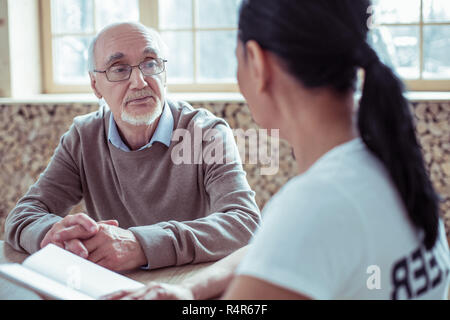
386,126
322,43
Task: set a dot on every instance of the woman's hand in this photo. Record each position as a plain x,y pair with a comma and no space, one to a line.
153,291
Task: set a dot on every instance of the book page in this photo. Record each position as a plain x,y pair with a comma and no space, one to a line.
36,282
77,273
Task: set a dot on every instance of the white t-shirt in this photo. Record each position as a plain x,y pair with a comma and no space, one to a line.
340,231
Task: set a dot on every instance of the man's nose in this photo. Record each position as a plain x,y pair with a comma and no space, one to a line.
137,79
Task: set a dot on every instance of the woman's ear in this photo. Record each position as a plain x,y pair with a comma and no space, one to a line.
258,65
94,85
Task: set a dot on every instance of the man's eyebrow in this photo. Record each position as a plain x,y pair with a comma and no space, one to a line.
150,50
114,57
119,55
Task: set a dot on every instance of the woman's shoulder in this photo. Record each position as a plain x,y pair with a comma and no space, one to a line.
308,200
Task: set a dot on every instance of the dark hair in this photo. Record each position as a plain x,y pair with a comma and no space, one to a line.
322,43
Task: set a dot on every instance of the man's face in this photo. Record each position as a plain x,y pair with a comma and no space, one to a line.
138,100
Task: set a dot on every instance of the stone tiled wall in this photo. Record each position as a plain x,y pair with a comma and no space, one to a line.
30,133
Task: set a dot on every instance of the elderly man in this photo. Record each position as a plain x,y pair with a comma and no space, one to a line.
145,208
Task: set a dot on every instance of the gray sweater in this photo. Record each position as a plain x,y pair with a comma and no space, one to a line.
180,212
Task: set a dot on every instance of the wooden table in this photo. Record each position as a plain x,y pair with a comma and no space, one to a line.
8,290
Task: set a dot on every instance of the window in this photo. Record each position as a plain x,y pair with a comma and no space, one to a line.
201,36
413,37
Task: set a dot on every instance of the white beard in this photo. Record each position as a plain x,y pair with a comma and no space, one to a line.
141,120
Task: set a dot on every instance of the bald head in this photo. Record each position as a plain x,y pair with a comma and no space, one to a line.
117,31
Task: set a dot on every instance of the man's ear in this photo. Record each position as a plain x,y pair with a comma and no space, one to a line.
94,85
258,64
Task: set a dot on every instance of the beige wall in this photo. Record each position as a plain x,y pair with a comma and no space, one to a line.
30,133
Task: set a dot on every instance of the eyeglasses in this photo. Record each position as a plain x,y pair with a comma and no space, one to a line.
121,72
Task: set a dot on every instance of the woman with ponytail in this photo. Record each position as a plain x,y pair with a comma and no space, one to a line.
361,220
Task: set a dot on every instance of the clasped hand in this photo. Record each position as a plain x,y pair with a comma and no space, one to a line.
103,242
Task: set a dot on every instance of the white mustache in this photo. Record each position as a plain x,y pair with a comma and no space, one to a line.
139,95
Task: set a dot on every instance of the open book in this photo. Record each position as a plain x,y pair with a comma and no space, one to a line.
60,274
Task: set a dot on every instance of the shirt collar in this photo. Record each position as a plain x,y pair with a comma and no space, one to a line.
163,132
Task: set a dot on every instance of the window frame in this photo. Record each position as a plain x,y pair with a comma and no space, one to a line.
421,84
148,15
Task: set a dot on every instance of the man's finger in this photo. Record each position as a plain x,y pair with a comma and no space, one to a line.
73,232
82,219
48,240
76,246
113,222
96,256
93,243
155,294
158,291
138,294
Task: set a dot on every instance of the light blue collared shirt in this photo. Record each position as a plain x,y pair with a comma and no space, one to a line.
163,132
